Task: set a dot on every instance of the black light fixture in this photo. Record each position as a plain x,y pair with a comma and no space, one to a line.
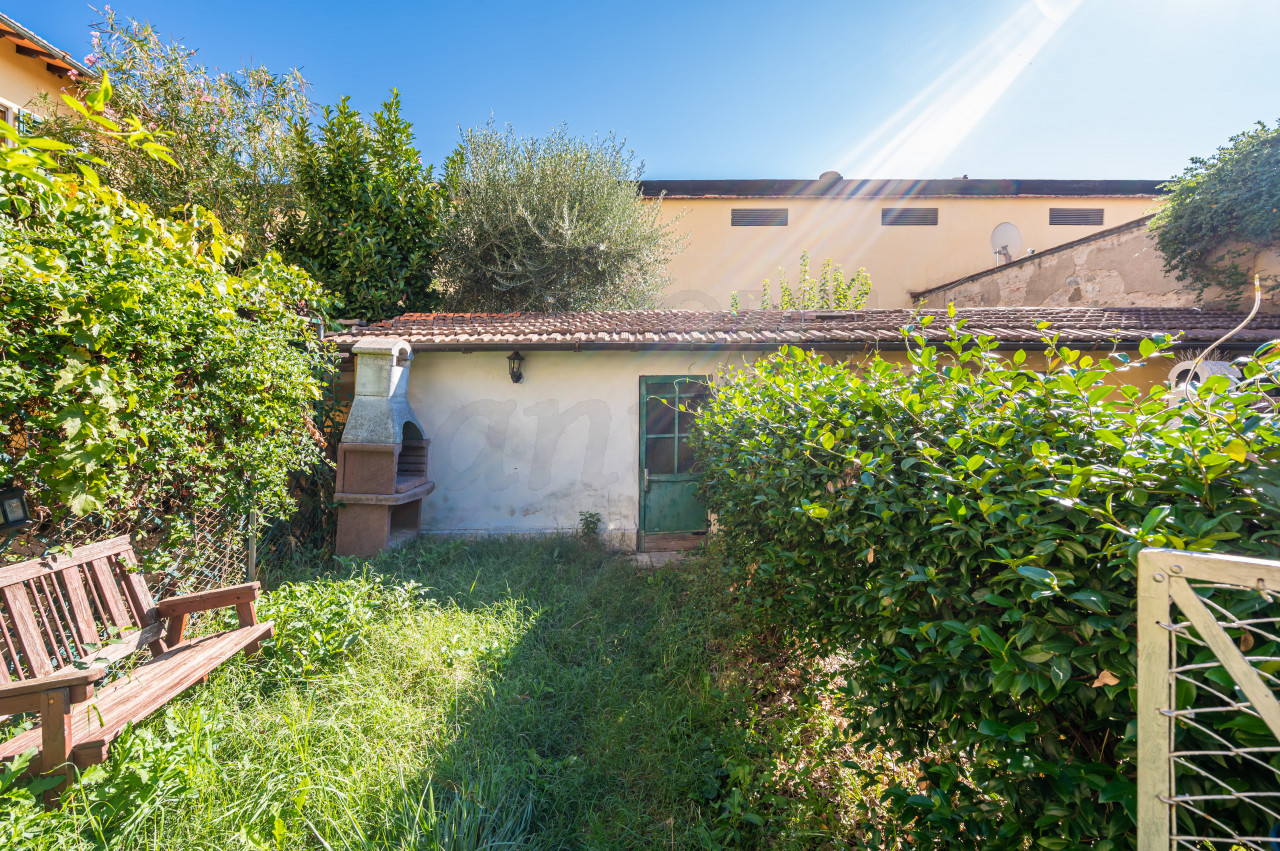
514,361
13,508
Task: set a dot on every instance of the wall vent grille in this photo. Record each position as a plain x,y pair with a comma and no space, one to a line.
759,218
1075,216
894,216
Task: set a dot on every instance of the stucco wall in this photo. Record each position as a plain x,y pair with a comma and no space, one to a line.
1117,269
23,77
720,258
526,458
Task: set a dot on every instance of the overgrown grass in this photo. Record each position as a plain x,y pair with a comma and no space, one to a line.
538,692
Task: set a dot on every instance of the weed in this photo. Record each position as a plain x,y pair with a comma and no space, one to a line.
589,525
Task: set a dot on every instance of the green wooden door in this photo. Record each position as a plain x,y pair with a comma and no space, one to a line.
669,501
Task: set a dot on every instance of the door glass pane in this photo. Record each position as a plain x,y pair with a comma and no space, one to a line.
690,413
660,455
697,400
693,394
686,460
659,415
689,387
660,388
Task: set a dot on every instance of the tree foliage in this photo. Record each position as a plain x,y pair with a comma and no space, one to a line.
369,224
227,130
1222,212
137,377
958,538
551,224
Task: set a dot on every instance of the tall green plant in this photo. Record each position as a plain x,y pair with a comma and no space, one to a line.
957,538
551,224
227,130
370,220
830,290
138,379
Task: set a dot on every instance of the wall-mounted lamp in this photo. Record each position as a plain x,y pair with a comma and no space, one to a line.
13,508
514,361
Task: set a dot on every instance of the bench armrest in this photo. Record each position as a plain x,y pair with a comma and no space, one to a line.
71,678
176,609
203,601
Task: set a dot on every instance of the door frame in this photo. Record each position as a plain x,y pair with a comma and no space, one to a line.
642,383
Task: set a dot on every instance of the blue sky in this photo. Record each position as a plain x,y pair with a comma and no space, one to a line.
914,88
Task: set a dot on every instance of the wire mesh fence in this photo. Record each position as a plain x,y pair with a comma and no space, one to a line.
1208,714
208,547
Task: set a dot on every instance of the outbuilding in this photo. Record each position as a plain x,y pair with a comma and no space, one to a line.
526,423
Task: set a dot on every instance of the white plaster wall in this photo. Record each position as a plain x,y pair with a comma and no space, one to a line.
526,458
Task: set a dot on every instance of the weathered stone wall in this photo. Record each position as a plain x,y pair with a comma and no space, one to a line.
1119,267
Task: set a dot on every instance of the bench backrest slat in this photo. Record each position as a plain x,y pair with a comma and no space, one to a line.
63,608
81,612
52,622
104,581
26,634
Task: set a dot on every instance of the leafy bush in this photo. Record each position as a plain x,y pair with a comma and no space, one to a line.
139,378
228,132
958,536
1220,214
320,623
370,218
551,224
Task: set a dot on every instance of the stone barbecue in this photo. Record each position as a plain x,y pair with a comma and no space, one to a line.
382,459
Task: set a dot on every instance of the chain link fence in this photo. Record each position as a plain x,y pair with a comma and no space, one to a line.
211,547
185,549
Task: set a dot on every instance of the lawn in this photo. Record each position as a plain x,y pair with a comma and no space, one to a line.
540,691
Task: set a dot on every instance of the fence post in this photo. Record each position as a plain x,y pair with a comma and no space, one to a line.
1155,697
251,547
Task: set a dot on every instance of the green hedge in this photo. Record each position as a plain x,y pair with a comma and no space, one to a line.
139,380
963,533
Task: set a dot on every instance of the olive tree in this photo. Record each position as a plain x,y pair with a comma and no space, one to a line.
550,224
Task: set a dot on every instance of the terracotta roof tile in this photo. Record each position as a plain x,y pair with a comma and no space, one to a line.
683,329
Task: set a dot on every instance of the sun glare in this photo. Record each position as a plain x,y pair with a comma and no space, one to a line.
926,129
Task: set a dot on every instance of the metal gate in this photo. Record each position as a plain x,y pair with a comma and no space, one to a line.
1208,715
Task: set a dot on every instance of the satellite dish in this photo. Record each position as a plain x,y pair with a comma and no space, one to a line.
1006,242
1182,373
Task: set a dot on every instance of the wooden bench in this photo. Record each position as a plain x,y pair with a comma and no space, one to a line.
64,618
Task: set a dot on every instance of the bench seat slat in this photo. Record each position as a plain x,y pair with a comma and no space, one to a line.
147,688
128,643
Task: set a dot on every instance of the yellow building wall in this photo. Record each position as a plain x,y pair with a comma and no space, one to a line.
720,258
23,77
